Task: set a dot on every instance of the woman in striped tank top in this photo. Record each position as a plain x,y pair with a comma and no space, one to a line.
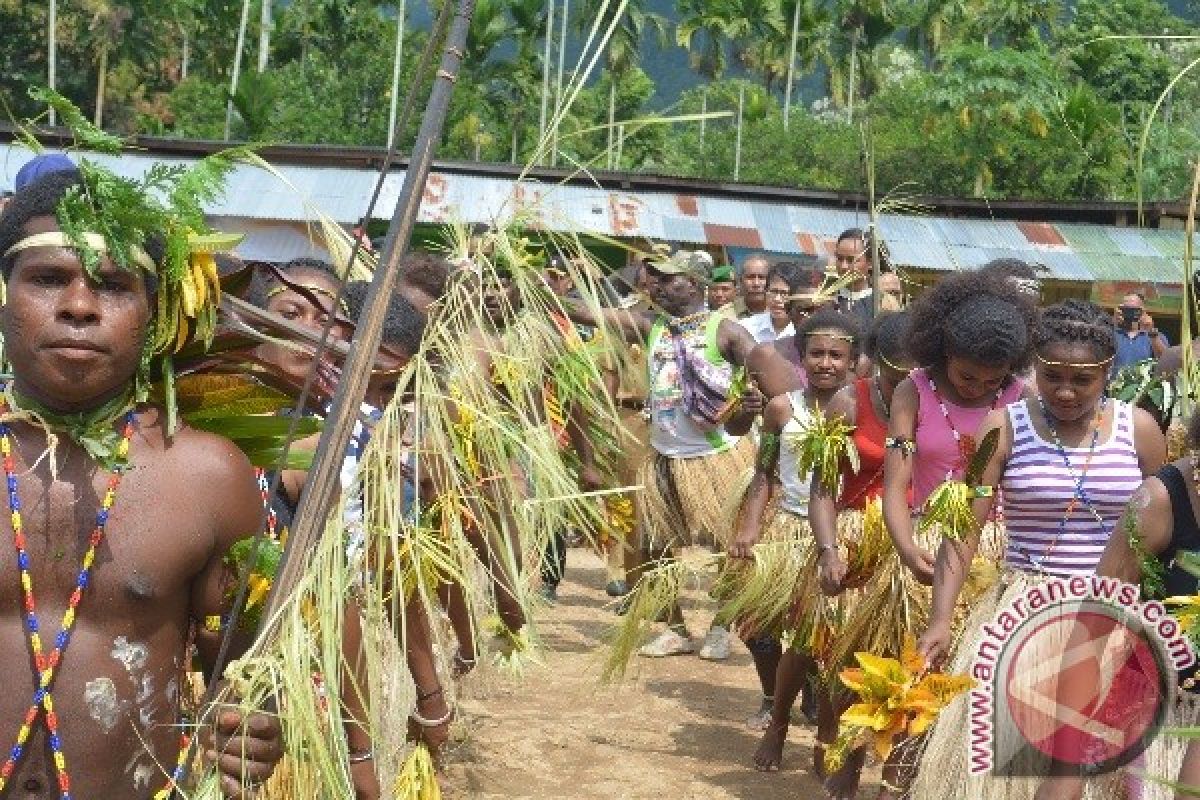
1065,466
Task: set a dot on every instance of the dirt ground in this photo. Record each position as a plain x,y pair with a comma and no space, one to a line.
674,730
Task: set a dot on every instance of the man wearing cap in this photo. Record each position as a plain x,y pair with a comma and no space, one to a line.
40,165
692,353
722,290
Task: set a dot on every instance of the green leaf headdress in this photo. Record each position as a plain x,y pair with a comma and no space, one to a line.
118,217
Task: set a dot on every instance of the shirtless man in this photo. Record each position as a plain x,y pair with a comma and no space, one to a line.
74,344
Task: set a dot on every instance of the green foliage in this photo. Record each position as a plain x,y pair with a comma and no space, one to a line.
996,98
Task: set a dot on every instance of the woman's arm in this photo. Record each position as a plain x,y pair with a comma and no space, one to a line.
766,475
822,508
897,479
954,557
1150,514
1149,442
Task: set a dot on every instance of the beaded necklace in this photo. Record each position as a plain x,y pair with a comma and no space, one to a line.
1079,494
43,698
966,444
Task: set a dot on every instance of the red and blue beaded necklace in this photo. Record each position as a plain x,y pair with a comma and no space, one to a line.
43,698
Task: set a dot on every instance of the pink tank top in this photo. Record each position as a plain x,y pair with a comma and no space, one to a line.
938,454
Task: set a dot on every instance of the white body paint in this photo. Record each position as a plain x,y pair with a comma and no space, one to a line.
100,696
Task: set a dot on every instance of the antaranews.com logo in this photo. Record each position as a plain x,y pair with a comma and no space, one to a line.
1073,673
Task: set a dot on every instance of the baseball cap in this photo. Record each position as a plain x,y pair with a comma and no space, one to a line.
41,165
722,274
695,264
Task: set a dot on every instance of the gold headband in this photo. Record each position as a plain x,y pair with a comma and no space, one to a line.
315,289
832,333
890,365
1103,363
93,240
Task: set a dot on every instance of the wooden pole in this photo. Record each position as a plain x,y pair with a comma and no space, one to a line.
562,61
876,296
323,478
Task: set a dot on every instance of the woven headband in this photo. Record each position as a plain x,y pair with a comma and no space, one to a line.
1103,363
94,241
890,365
832,333
315,289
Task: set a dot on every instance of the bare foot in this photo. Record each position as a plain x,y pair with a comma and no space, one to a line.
843,784
769,754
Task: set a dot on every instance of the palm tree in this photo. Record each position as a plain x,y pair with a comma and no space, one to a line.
104,32
624,46
934,23
490,25
713,21
1017,22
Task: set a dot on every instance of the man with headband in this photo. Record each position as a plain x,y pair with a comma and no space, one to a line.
122,525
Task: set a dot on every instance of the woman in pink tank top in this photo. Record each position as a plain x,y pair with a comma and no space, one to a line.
971,335
1065,465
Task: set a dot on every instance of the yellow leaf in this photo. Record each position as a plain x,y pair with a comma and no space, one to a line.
259,586
912,660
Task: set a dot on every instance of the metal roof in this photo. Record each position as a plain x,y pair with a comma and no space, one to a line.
1071,252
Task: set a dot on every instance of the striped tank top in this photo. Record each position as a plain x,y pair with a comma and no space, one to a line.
1037,490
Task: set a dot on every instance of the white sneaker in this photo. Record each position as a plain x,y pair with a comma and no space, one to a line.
716,644
668,643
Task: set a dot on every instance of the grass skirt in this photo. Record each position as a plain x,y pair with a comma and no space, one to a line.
817,619
684,500
942,768
1164,757
753,595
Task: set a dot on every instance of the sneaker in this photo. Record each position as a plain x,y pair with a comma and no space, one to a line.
668,643
716,644
548,593
617,588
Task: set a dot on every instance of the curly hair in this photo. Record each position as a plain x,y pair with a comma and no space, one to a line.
887,337
404,324
828,319
976,315
1077,322
264,281
41,199
426,272
797,276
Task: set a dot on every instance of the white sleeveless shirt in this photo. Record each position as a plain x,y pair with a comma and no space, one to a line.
795,486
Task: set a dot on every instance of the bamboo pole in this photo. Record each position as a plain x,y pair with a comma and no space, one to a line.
876,297
323,478
395,98
237,67
791,69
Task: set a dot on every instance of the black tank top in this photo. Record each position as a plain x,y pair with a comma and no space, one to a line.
1185,535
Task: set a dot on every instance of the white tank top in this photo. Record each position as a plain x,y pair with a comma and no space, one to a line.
673,433
795,486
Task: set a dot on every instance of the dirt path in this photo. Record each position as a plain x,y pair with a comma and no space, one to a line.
673,731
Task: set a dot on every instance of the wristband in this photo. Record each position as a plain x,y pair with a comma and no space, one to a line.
360,757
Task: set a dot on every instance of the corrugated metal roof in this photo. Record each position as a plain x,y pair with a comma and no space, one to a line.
1071,252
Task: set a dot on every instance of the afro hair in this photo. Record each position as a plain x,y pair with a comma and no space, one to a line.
829,319
1077,322
977,315
404,325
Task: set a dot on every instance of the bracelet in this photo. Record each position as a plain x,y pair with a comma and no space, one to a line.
902,443
422,696
431,723
360,757
823,548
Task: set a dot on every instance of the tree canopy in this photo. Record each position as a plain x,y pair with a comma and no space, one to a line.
994,98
